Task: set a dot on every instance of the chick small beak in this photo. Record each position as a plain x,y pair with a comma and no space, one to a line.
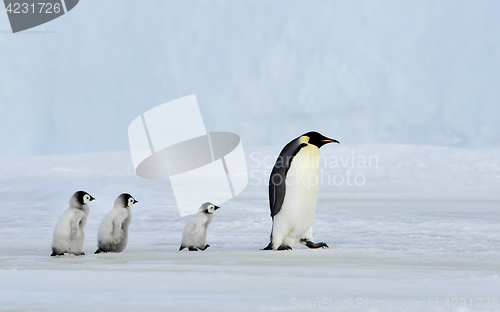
135,201
216,207
92,198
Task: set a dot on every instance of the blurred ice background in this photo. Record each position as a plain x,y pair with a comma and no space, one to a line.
413,72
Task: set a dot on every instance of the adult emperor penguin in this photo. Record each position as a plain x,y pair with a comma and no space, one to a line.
68,234
195,232
293,192
113,232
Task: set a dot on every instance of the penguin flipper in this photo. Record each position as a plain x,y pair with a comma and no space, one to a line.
197,226
277,185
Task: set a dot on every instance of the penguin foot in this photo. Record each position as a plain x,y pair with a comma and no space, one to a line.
283,247
269,247
56,254
313,245
80,254
98,251
182,247
193,249
206,246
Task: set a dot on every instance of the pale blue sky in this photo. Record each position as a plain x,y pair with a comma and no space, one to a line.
412,72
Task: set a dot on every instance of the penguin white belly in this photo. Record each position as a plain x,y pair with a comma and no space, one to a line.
195,232
296,215
198,240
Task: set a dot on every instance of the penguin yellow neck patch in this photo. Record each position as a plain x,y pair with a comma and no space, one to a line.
304,139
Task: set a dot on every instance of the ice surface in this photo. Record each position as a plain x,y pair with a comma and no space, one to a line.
424,225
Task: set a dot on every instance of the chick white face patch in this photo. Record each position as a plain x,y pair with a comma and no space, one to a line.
170,141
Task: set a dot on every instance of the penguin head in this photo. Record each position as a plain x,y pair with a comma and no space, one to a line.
208,208
80,198
317,139
125,200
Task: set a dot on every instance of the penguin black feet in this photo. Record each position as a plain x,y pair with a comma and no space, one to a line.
98,251
195,248
189,248
56,254
282,247
80,254
313,245
269,247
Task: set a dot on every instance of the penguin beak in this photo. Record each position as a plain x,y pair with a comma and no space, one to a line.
135,201
327,140
92,198
216,207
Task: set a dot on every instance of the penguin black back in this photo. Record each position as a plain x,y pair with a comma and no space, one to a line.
277,185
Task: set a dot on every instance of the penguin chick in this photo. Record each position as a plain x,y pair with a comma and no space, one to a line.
293,192
113,232
68,234
195,232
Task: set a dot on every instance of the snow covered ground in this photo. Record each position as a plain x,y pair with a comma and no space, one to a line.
406,225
